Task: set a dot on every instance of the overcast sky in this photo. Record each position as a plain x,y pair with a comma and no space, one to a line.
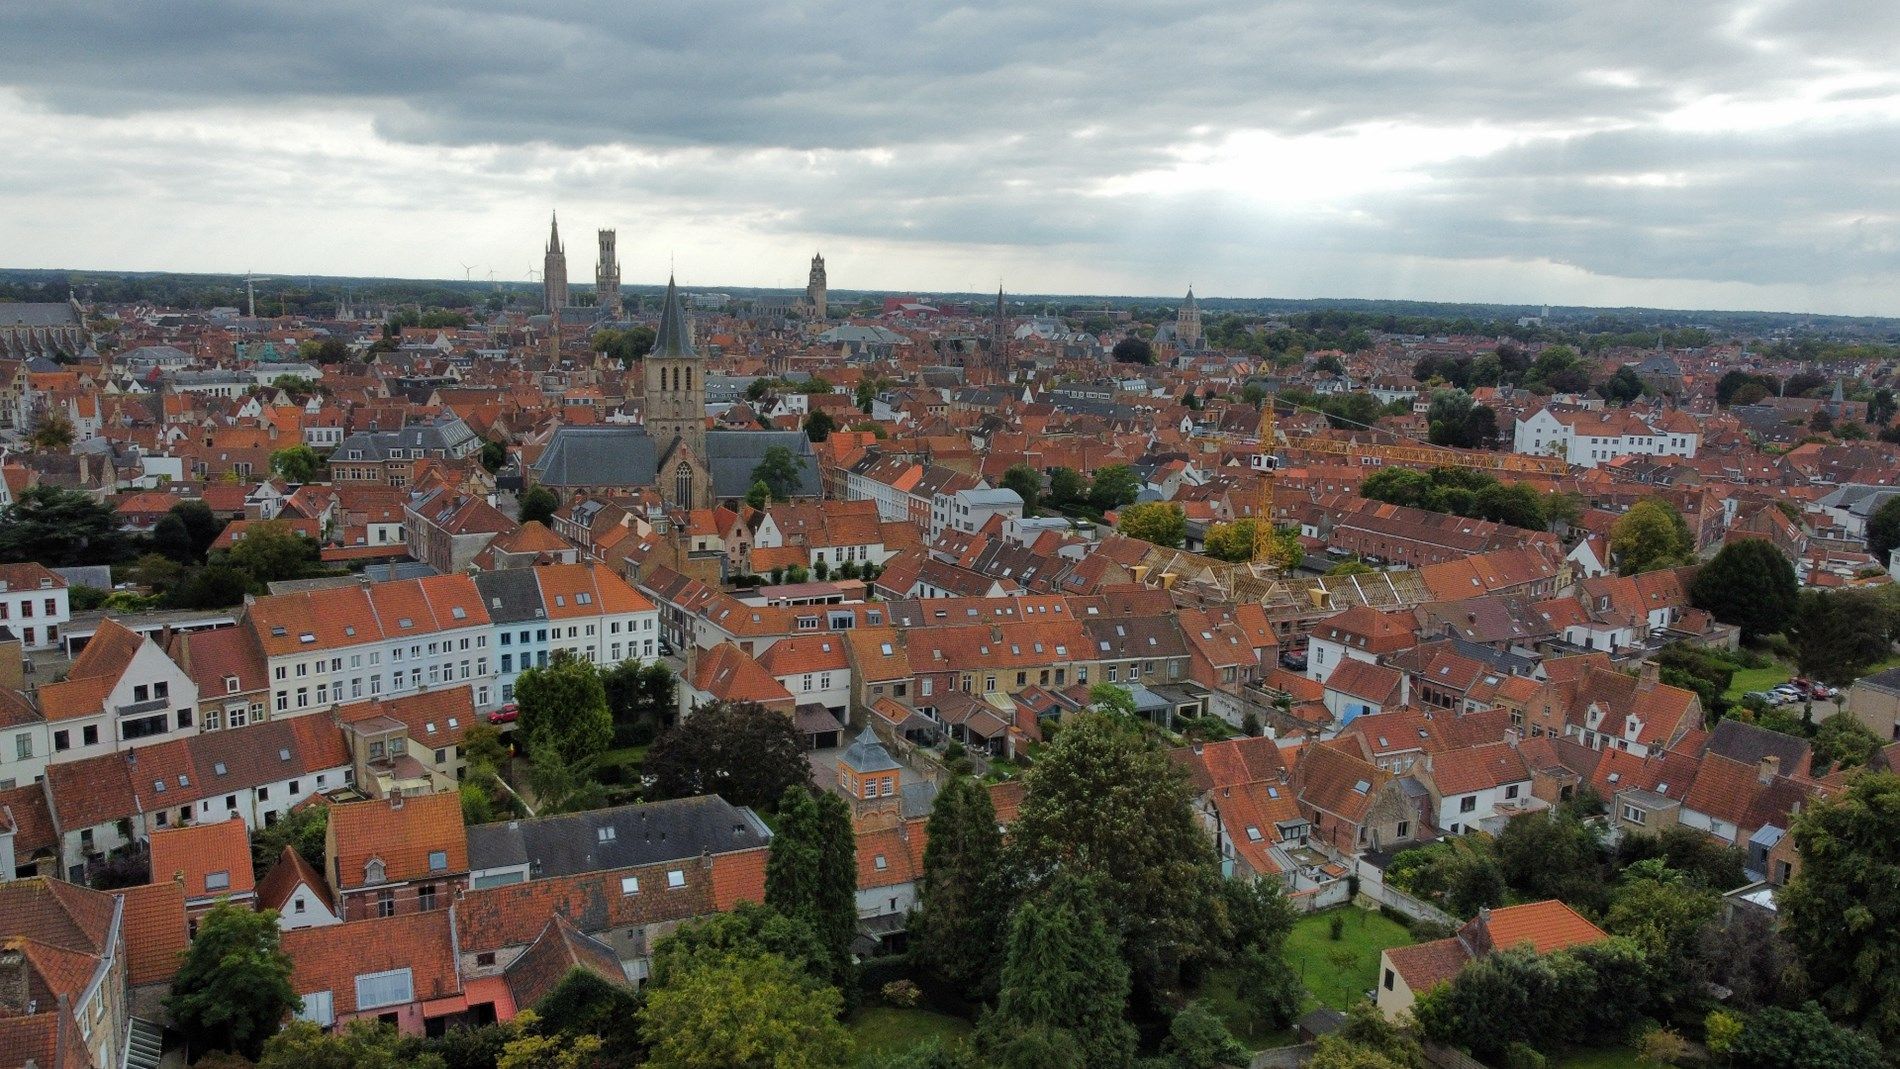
1681,153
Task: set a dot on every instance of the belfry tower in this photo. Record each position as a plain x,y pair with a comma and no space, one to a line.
1187,323
554,271
815,287
607,276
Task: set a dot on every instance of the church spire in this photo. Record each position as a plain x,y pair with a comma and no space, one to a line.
554,233
674,338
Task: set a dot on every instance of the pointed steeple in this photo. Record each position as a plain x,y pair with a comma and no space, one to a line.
674,338
554,233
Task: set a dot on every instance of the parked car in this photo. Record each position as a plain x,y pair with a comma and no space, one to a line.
666,648
1293,661
507,714
1767,697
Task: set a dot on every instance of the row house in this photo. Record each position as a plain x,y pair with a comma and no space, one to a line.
121,691
33,604
396,855
1588,700
448,530
583,609
1476,783
400,971
1360,633
65,970
409,745
1404,535
100,804
833,533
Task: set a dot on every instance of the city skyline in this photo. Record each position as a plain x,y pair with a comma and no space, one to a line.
1706,156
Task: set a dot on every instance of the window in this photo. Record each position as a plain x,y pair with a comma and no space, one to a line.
1468,804
438,861
1389,979
1635,815
386,904
425,897
23,746
297,905
218,881
629,885
675,878
1405,829
90,735
1511,791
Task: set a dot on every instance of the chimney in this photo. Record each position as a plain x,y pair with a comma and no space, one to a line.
395,798
1650,674
15,996
1769,769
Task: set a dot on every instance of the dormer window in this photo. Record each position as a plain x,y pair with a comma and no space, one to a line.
230,684
373,871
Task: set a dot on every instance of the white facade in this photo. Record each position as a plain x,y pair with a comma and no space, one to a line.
24,751
1460,813
969,510
35,612
152,701
1588,439
1323,657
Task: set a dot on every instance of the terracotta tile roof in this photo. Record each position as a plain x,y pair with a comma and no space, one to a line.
156,935
331,958
23,811
1232,763
56,913
1478,768
1547,926
49,1040
513,914
738,877
891,857
1007,799
212,657
1426,965
197,852
401,836
728,673
434,718
558,950
288,873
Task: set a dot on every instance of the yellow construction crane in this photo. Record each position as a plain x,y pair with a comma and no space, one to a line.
1263,547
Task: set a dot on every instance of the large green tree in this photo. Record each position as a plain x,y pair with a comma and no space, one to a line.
748,930
1231,541
1649,536
1104,800
57,527
362,1044
780,470
272,552
1883,529
1260,919
564,715
1160,522
1027,482
1838,635
538,505
233,989
1750,584
1068,486
1114,486
1779,1038
744,1011
1064,983
298,463
964,897
203,526
745,753
1842,908
812,874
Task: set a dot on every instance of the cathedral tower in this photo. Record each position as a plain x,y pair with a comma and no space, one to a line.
554,271
607,276
815,287
996,364
1187,323
675,408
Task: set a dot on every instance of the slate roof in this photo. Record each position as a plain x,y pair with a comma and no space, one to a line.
867,754
647,834
628,456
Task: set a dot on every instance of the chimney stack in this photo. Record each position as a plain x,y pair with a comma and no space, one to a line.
1770,768
1650,674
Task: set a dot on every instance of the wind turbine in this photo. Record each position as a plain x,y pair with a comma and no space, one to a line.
467,271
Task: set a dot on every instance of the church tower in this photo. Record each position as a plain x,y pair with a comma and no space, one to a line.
675,409
815,287
997,362
1187,323
607,276
554,271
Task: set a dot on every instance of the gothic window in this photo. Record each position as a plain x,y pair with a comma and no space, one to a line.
683,485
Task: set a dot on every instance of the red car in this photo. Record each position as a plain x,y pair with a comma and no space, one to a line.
505,715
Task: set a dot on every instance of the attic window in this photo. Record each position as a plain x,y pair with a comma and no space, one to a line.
584,598
1062,651
676,878
429,727
1361,787
459,613
218,881
438,861
158,785
349,630
218,768
277,632
405,622
886,647
306,637
283,755
880,863
560,600
1273,792
230,684
494,603
606,834
184,781
454,723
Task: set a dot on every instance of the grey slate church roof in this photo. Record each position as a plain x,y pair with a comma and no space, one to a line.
626,456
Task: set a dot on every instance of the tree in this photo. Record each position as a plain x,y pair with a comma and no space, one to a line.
1027,482
1881,409
1261,919
1842,740
812,874
272,551
538,505
1839,635
1285,551
564,716
1133,350
1367,1041
1160,522
1197,1039
748,930
1750,584
745,753
759,495
1665,918
494,456
781,471
1115,486
233,989
1063,980
297,464
1842,908
1777,1038
1104,800
1351,566
172,539
1446,417
1231,541
1822,421
586,1004
203,526
1517,505
1067,486
213,587
53,434
58,527
303,830
534,1048
1649,536
362,1044
963,899
1622,387
757,1011
1553,855
819,424
1883,529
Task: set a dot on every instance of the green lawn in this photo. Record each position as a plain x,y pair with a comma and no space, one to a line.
1312,951
883,1030
1222,997
1747,679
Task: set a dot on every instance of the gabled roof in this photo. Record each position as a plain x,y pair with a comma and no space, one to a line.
196,853
558,950
401,836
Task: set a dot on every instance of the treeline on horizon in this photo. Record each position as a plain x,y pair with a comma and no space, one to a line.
1344,323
